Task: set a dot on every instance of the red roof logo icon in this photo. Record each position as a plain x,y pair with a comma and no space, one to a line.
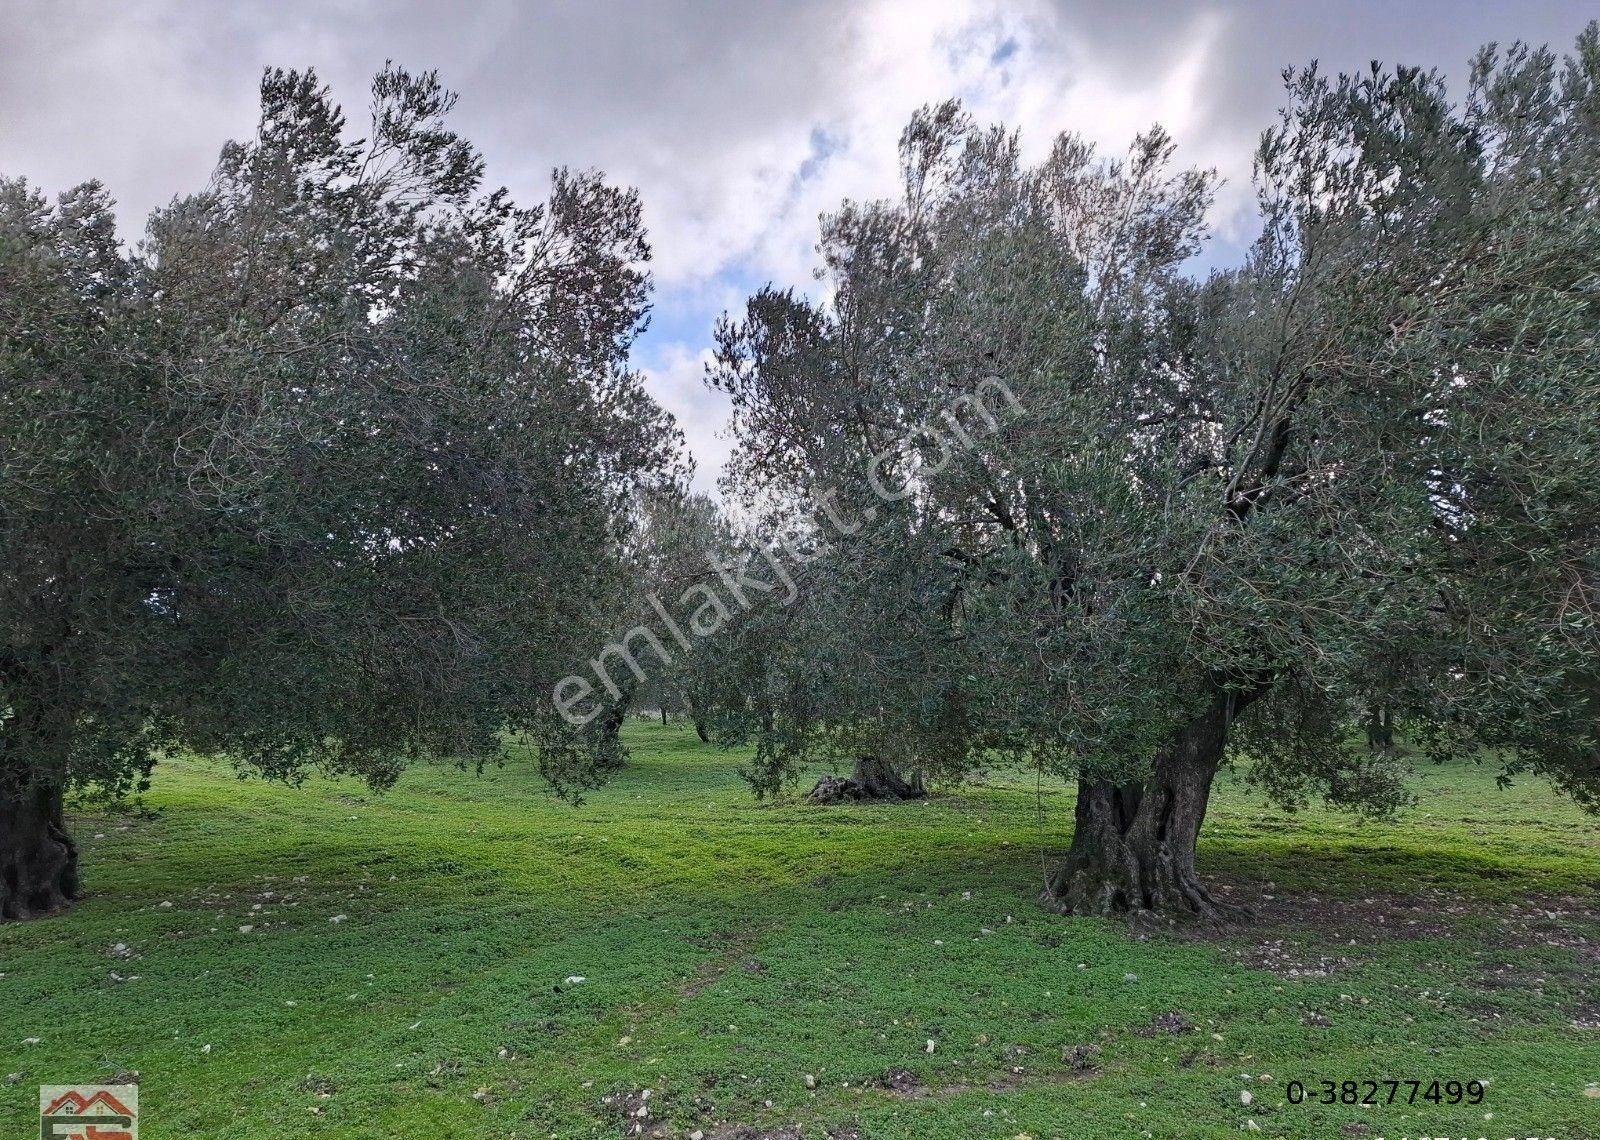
89,1112
74,1103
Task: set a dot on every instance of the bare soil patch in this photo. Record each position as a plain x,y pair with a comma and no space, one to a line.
1300,935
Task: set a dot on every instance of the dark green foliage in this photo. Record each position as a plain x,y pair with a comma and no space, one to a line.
1363,468
329,471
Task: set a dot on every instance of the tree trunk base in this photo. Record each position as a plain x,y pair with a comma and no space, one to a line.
38,859
1133,844
872,779
1140,885
1380,731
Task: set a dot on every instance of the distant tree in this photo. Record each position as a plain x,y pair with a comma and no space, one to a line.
676,542
856,670
1361,469
691,540
1380,729
324,476
846,673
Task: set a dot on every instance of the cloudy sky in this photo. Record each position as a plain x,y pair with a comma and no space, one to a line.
739,122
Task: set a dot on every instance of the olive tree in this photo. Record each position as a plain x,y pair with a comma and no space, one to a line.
676,544
329,473
691,538
1359,470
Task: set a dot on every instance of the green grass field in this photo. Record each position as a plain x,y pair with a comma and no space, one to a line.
326,962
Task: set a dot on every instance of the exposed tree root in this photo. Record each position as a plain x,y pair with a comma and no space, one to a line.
872,779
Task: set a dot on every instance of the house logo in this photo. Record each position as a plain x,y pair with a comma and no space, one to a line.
89,1112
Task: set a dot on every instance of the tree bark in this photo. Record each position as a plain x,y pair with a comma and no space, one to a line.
871,779
38,860
613,718
1133,847
615,714
700,729
1380,729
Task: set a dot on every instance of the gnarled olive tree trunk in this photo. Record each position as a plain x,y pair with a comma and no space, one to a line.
872,779
1380,729
697,717
1133,847
615,713
38,860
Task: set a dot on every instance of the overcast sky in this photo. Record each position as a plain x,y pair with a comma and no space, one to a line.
738,122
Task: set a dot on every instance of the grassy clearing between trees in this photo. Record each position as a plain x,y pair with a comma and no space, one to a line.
404,971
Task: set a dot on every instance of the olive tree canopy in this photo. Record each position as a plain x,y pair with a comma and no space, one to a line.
324,475
1361,469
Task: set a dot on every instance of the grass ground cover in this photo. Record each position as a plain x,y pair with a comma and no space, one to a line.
327,962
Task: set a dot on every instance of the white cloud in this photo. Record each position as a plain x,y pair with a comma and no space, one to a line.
739,122
758,197
675,375
752,200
